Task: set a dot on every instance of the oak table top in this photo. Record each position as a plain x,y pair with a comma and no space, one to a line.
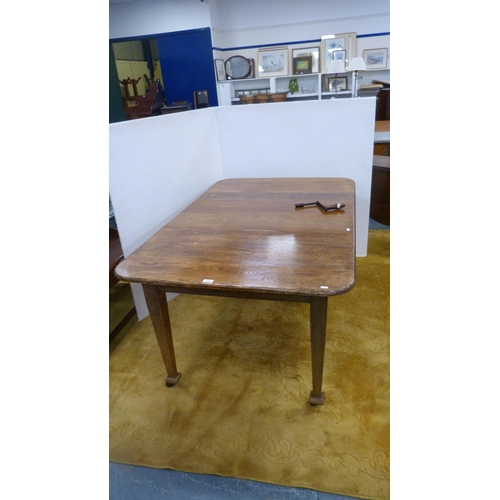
246,238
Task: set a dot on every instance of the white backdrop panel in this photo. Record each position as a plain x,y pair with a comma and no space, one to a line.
332,138
158,166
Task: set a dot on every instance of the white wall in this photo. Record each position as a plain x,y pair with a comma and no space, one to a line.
151,17
237,24
257,22
159,165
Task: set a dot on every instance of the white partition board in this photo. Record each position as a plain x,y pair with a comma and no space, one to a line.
159,165
328,138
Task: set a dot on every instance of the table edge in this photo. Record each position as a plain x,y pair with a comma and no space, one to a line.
237,291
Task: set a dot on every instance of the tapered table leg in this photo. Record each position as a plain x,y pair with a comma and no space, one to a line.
318,333
158,309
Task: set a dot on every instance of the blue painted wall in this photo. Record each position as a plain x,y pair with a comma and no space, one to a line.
187,65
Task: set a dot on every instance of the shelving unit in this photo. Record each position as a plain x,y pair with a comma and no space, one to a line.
310,88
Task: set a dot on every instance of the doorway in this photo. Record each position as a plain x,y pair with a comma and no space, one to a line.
183,61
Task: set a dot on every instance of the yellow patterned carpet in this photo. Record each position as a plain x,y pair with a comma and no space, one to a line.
240,408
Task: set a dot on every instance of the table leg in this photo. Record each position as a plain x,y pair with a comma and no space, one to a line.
158,309
318,333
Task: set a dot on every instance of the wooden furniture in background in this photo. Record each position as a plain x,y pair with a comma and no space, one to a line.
176,107
383,109
115,257
126,88
383,148
245,238
380,204
200,99
149,104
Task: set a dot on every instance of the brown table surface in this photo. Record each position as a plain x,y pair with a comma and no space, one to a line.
245,238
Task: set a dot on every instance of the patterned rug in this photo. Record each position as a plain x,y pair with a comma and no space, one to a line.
240,408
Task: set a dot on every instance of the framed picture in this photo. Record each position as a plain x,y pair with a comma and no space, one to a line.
273,62
219,69
339,55
302,65
375,58
329,83
333,43
308,51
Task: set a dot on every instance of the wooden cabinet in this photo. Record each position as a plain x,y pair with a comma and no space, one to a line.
383,110
382,149
380,202
382,146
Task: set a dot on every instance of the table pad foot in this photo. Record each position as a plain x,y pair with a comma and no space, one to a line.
171,381
317,400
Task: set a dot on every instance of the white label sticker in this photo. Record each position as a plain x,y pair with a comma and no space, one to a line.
208,282
324,287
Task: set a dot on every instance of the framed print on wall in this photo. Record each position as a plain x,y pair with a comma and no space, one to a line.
273,62
308,51
375,58
219,69
302,65
333,43
339,55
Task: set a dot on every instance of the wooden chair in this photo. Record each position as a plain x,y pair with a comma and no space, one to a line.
149,104
126,87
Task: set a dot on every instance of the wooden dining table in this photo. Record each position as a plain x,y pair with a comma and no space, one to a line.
253,238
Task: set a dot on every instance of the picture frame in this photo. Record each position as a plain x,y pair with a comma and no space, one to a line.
273,62
220,69
341,83
302,65
375,58
340,55
314,52
329,83
332,43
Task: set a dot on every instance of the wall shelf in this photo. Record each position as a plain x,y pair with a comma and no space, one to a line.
310,88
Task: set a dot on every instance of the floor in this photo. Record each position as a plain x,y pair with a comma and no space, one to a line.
128,482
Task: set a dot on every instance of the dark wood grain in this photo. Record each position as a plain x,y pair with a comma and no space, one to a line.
319,308
383,126
158,309
115,257
245,238
246,234
380,202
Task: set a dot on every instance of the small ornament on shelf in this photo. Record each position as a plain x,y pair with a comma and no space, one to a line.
293,85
